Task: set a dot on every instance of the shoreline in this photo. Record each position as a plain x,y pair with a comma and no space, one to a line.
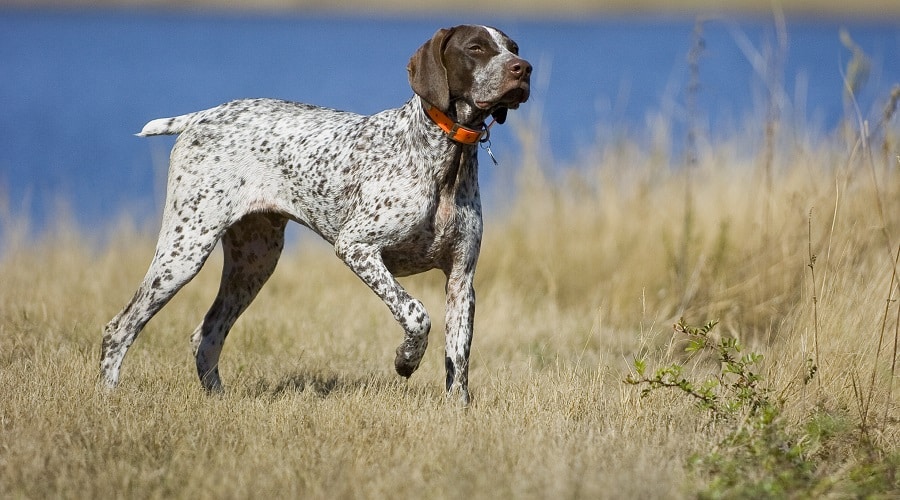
884,10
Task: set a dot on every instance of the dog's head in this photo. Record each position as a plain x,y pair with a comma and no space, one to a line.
471,71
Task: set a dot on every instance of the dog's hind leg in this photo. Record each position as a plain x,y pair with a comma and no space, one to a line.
174,264
193,221
252,247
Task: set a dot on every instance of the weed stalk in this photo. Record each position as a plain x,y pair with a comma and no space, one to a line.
815,300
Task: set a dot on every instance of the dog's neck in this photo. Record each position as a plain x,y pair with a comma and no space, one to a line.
456,161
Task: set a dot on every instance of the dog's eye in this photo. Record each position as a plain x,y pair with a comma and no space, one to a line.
476,48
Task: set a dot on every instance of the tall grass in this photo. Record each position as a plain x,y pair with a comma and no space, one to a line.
582,273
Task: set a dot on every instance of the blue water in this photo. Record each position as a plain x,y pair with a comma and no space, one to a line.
75,86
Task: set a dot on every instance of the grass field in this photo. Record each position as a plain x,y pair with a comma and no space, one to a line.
791,247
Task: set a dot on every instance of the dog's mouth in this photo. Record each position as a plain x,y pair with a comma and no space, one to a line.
511,99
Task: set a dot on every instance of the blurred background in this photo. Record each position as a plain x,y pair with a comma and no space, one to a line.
79,78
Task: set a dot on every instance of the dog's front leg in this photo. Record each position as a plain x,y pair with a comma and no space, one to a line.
460,319
365,260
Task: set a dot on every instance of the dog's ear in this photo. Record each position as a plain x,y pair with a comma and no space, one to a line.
427,73
499,114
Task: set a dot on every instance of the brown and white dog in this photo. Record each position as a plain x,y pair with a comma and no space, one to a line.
396,193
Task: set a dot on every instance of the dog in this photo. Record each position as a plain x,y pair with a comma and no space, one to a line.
396,193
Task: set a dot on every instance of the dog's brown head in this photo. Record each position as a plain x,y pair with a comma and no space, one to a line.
471,72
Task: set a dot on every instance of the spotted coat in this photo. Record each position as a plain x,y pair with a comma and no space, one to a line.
393,192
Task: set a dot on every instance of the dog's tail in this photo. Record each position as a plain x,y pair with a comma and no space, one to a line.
167,126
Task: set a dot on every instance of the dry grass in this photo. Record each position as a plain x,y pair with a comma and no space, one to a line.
585,271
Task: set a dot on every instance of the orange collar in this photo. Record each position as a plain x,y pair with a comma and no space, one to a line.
455,131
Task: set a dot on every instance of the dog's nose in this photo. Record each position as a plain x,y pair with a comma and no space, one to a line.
519,68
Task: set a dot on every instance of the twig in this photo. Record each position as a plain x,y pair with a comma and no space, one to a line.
887,308
896,333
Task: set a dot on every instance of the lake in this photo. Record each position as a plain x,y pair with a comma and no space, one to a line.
76,85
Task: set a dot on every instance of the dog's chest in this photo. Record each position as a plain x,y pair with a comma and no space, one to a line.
450,220
427,244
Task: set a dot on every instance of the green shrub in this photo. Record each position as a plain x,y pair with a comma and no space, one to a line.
760,455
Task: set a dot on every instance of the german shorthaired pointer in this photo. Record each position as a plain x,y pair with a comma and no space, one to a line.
396,193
